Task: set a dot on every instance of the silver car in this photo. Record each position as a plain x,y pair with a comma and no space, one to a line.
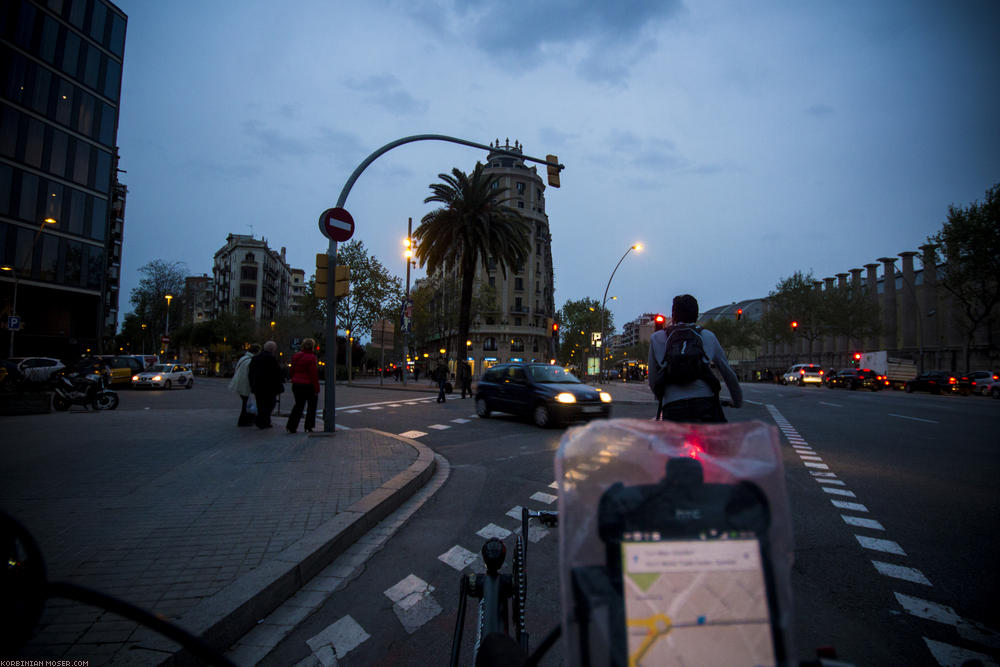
803,374
37,369
164,376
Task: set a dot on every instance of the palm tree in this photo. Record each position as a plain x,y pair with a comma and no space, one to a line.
474,224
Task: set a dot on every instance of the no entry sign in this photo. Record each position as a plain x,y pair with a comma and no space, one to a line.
336,224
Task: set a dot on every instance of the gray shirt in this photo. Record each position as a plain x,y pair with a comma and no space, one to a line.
699,388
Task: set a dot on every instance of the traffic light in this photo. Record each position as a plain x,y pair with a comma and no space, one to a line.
856,359
739,314
342,279
795,324
658,322
555,329
322,274
553,171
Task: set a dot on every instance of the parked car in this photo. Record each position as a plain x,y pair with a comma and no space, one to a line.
979,381
164,376
37,369
995,389
803,374
547,394
939,381
856,378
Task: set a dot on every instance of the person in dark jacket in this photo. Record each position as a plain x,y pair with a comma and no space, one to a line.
305,386
465,378
265,383
441,375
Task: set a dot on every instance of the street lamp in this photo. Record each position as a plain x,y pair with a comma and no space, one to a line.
166,331
600,368
13,271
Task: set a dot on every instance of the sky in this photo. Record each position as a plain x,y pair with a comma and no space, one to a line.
738,142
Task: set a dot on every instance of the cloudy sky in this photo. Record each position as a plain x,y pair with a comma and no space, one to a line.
739,142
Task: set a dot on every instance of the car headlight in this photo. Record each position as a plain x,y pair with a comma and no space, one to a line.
135,378
605,397
157,378
565,397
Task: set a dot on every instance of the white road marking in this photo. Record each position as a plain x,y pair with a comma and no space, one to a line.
515,512
932,611
439,427
493,530
407,592
554,485
341,427
457,557
899,572
854,507
536,533
394,405
460,421
840,492
375,407
822,474
352,411
365,405
413,603
832,405
546,498
916,419
342,637
820,466
837,482
413,434
861,522
807,457
954,656
876,544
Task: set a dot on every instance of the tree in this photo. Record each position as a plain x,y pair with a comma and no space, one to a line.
436,307
850,312
159,278
794,299
578,320
375,293
474,224
970,243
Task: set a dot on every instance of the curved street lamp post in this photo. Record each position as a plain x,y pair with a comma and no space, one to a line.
600,367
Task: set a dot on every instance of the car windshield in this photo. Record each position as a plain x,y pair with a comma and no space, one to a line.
159,369
552,374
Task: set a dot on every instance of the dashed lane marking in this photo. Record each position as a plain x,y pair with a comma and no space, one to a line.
554,485
861,522
546,498
413,434
916,419
515,512
413,603
940,613
876,544
839,492
832,405
855,507
439,427
337,640
901,572
460,421
954,656
375,407
820,466
457,557
827,480
352,411
816,473
493,530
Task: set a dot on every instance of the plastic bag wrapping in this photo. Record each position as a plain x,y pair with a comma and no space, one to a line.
635,452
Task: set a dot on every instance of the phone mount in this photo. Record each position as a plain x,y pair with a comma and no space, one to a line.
632,480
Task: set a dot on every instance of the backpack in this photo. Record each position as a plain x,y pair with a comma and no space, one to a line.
684,360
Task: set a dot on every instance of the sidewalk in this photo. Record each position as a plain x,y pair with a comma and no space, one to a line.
628,393
183,514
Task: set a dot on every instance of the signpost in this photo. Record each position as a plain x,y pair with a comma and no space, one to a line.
14,323
336,224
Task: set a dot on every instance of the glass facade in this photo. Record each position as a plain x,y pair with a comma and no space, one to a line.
60,85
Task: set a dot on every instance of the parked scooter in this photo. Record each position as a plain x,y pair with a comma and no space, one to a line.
86,389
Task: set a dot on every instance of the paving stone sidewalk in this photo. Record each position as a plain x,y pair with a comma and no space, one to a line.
187,516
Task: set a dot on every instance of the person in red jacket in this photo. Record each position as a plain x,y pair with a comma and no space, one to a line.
304,375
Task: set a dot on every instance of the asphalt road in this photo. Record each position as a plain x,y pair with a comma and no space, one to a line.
923,468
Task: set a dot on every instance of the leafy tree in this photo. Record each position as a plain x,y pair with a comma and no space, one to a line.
159,278
850,312
735,335
577,321
795,299
474,224
970,243
436,308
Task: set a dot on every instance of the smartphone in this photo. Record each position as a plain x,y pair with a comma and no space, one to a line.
699,600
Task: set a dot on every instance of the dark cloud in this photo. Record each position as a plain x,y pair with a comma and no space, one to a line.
386,91
284,142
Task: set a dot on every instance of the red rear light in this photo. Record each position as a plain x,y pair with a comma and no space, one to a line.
802,371
821,372
952,381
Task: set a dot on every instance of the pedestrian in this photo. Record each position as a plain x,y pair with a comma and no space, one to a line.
441,375
680,376
465,378
265,383
241,383
305,387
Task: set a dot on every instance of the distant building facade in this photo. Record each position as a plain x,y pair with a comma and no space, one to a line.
199,299
518,327
248,276
61,206
298,292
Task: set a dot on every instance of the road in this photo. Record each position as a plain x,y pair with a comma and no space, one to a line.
901,570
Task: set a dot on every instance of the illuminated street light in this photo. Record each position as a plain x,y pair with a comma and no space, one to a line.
638,248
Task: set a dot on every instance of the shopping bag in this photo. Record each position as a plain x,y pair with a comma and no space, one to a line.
251,406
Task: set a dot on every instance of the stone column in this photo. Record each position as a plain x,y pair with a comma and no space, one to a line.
829,341
843,343
873,341
890,335
856,286
908,307
929,318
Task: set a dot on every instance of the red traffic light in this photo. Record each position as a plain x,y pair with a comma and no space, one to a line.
658,322
739,313
555,327
857,356
795,324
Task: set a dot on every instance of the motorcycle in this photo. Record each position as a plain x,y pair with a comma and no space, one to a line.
89,389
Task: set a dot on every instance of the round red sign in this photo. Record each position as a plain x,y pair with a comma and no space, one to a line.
336,224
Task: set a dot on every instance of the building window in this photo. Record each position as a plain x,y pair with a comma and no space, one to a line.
493,281
517,345
249,257
520,188
248,273
517,321
519,284
249,291
520,204
490,345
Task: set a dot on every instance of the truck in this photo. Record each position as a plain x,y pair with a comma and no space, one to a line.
896,371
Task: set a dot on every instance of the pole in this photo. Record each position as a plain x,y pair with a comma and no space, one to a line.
330,396
13,311
604,301
406,299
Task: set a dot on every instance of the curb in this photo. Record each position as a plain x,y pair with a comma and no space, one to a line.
232,612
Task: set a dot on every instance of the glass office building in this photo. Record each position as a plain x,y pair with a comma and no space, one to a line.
61,206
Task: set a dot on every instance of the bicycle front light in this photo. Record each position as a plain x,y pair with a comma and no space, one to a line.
565,397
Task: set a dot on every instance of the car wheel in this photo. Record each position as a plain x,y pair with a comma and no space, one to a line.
166,385
542,416
483,408
995,393
190,384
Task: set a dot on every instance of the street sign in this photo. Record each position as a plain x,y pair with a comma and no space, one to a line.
382,333
406,321
336,224
14,323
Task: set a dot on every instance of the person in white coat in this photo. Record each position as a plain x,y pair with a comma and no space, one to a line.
241,384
